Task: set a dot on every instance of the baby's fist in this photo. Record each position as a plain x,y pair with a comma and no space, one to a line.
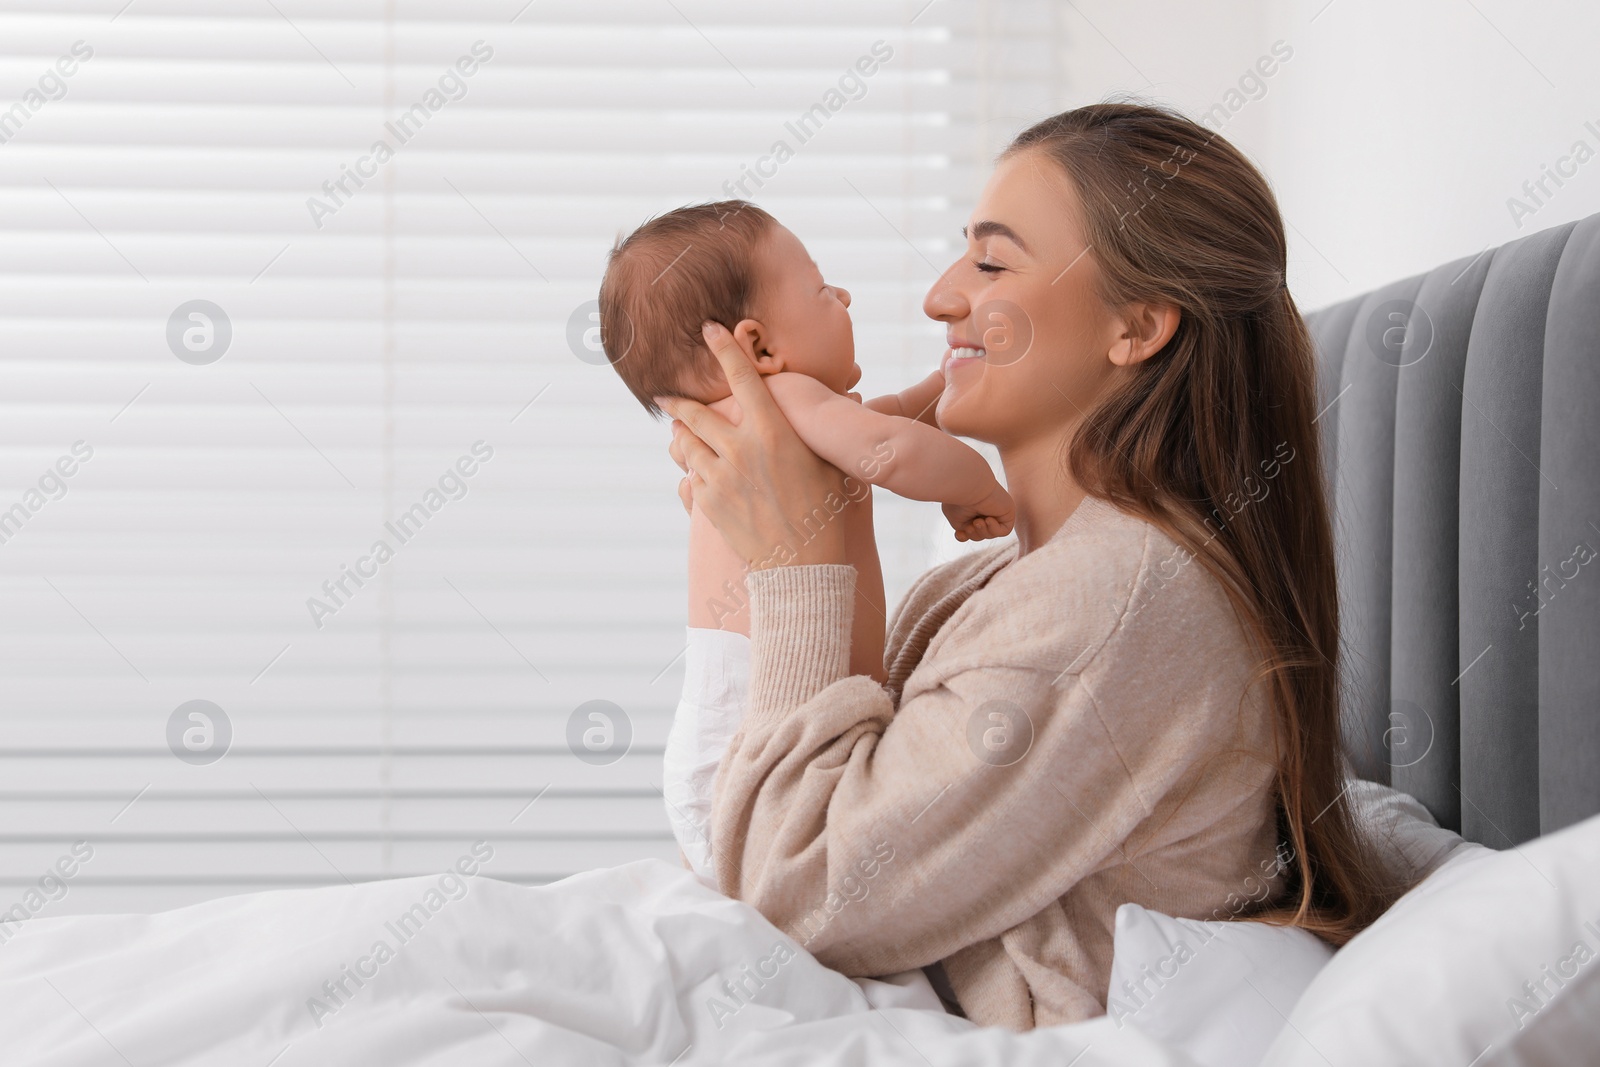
993,516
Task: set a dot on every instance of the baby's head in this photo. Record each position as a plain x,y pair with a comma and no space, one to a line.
728,262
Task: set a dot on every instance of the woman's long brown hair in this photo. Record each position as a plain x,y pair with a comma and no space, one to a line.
1174,214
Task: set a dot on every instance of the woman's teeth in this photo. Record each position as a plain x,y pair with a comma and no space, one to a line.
958,355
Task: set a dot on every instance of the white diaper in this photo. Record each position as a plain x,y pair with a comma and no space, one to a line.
716,682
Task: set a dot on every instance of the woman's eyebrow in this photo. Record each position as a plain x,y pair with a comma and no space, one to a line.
990,228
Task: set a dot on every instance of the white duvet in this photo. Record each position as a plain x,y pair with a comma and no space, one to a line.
638,964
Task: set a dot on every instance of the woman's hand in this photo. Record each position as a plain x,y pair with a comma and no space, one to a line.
761,487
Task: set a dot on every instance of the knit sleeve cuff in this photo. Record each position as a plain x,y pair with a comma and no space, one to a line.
800,620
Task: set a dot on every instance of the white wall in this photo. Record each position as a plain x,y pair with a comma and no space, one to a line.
1399,141
1394,135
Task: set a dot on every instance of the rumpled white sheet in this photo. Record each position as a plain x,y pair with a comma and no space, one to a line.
624,965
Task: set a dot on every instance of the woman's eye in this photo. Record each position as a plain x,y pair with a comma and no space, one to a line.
989,268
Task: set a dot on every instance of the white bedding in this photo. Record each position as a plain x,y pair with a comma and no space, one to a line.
618,966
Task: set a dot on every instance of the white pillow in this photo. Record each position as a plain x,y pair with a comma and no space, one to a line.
1494,959
1229,1009
1217,990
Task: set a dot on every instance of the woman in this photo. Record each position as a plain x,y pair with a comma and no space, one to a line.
1135,701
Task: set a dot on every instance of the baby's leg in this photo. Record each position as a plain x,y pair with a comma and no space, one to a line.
717,598
867,630
716,680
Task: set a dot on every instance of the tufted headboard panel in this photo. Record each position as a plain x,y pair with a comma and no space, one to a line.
1461,419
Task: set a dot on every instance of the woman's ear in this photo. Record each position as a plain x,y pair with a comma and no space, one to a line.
1146,330
754,339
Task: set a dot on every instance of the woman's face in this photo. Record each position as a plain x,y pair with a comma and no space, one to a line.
1030,339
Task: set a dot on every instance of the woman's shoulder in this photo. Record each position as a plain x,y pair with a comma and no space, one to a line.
948,576
1103,572
938,582
1096,557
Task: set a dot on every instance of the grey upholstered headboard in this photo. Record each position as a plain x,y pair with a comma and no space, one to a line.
1461,416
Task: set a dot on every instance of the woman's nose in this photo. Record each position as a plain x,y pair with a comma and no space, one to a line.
843,295
945,302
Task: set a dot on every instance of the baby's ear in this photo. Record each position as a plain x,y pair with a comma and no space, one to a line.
755,340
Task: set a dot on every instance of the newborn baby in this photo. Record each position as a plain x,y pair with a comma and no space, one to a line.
732,263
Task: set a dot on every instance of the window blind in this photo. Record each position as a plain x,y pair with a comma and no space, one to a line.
328,543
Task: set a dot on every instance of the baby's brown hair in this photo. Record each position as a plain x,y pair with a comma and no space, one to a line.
667,278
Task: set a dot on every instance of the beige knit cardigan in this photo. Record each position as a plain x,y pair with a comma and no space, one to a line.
1060,734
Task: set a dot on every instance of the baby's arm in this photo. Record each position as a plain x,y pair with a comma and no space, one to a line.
916,402
906,457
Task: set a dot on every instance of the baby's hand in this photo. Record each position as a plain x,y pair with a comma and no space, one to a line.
993,516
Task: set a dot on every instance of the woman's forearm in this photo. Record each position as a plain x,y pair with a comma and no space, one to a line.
800,634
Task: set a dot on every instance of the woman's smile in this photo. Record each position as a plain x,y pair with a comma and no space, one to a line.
959,352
